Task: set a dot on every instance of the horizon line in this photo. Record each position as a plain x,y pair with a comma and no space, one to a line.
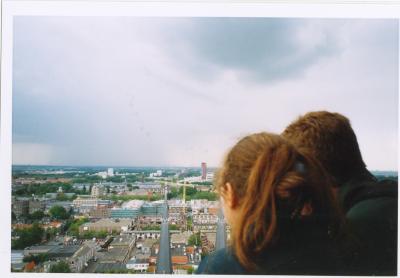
108,166
158,166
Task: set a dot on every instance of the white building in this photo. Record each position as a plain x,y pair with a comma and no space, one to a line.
193,179
181,238
133,204
205,218
110,172
138,264
85,203
197,206
158,173
81,257
177,211
17,256
97,191
103,175
210,176
108,225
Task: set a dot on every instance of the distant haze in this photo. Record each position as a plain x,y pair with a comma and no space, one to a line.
179,91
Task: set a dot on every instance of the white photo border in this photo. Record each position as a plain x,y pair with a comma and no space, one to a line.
10,9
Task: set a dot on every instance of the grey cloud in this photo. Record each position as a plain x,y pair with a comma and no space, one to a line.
158,91
260,49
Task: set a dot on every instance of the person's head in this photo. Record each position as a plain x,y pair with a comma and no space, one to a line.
267,185
330,138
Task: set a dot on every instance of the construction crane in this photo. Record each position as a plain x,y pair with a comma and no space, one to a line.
184,206
184,193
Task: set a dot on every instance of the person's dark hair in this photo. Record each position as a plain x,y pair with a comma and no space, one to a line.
274,183
330,138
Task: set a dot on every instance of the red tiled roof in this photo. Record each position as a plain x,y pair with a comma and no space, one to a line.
179,260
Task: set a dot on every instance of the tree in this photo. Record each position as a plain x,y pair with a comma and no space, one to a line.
73,228
115,179
36,258
189,190
59,212
209,183
28,237
190,270
87,235
151,227
51,233
129,186
61,197
189,223
37,215
60,267
173,193
211,196
101,234
194,239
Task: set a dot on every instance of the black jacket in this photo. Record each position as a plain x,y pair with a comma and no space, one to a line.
304,251
371,212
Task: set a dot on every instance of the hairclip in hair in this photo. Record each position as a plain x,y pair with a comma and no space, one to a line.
300,167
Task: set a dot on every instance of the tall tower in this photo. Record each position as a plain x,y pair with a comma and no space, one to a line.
203,171
164,265
220,241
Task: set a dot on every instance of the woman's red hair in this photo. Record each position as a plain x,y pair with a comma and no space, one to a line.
273,183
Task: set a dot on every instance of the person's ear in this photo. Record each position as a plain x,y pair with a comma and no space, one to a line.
307,209
228,195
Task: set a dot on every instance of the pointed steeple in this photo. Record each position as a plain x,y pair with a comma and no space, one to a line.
220,241
164,265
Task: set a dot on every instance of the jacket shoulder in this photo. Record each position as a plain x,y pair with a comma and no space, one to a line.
221,261
354,194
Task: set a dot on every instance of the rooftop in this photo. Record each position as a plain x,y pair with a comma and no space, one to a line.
115,254
63,251
122,240
138,261
39,248
104,267
181,237
178,250
133,204
85,248
109,222
179,259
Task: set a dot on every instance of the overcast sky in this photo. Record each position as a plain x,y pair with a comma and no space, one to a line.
125,91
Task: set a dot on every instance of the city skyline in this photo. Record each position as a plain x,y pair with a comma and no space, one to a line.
154,221
165,92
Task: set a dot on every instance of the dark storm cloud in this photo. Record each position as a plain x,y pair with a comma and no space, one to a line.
260,49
